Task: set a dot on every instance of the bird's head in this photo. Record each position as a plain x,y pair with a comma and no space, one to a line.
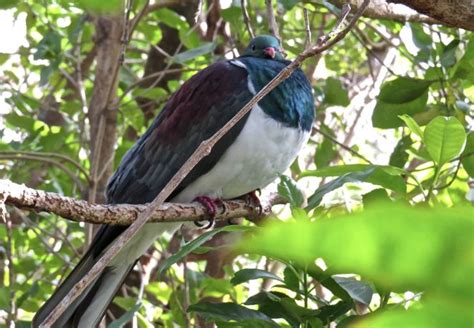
264,46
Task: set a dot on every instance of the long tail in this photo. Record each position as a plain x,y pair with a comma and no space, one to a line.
90,307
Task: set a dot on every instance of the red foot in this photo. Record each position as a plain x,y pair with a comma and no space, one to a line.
211,206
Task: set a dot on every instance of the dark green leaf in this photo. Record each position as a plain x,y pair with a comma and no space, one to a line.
288,4
465,66
185,56
468,155
403,90
448,57
325,279
398,97
399,156
245,275
126,317
335,94
192,245
229,311
359,291
291,279
420,38
326,151
288,189
444,138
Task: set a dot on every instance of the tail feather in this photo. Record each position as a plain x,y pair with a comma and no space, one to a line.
89,308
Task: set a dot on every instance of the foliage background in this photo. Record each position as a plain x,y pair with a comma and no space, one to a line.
392,143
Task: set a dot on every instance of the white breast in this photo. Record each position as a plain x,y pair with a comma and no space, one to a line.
263,150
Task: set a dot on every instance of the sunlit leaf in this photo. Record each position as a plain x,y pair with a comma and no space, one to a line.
397,247
412,125
444,138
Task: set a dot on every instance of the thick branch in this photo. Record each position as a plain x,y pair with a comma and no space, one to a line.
454,13
69,208
203,150
381,9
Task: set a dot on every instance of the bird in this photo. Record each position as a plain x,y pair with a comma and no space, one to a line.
251,155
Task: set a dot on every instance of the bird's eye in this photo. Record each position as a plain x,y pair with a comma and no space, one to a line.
253,47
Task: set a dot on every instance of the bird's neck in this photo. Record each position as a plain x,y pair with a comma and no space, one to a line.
287,103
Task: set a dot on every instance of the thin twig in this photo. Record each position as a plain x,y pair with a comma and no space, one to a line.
272,23
340,144
68,172
47,155
243,5
11,317
346,9
203,150
307,24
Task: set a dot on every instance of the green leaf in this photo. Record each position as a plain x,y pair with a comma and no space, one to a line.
444,138
245,275
288,4
288,189
398,97
399,248
420,38
7,4
465,66
448,57
412,125
325,279
433,314
291,279
101,7
185,56
326,150
318,195
360,291
385,176
403,90
468,155
171,18
399,156
126,317
192,245
279,305
230,311
335,94
49,47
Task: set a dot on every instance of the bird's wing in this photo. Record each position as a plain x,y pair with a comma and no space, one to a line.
193,114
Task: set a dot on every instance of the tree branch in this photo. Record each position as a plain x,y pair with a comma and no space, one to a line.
203,150
76,210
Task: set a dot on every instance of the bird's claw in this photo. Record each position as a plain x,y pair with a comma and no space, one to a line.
253,200
211,206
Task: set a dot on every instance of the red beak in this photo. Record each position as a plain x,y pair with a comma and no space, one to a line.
269,52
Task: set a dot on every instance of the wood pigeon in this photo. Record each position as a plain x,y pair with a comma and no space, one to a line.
250,156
